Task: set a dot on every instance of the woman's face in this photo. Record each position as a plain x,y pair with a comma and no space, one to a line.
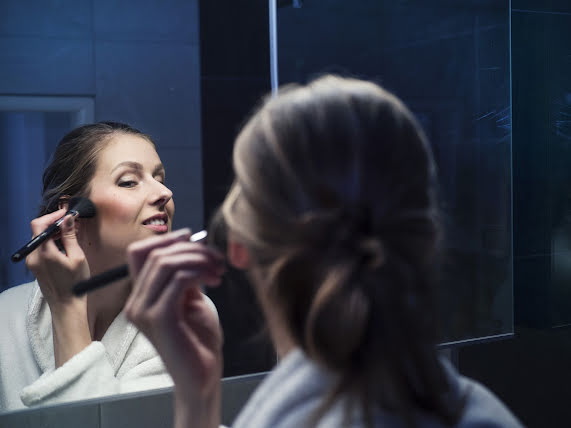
131,198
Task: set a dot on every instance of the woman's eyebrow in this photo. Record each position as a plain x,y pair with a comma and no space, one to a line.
130,164
159,169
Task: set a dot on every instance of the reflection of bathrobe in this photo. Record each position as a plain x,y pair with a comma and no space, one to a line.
123,361
293,391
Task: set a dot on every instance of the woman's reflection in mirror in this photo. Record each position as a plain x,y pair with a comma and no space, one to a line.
57,347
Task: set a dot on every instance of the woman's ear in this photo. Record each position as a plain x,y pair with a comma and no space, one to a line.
63,202
238,254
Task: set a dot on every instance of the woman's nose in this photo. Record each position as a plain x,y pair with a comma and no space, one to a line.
161,195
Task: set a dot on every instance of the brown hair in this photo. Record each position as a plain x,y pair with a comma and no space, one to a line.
74,161
334,196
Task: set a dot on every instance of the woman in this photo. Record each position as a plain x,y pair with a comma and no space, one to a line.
58,347
333,215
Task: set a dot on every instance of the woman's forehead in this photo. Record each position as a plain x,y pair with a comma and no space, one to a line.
127,148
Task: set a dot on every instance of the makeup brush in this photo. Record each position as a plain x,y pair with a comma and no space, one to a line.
117,273
80,207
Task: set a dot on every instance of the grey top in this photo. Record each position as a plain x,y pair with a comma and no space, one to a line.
291,393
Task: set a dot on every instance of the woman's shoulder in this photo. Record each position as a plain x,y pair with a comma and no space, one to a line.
14,306
14,297
482,407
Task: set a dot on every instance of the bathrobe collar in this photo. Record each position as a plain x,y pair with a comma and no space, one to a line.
117,339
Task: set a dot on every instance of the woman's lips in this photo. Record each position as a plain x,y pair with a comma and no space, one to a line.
157,224
161,228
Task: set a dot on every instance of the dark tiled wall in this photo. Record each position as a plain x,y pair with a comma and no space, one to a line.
451,66
449,62
139,62
235,73
531,372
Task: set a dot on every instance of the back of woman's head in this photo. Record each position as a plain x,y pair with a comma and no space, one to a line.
73,164
334,197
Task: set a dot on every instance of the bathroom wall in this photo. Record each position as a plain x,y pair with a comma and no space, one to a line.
449,62
137,61
531,372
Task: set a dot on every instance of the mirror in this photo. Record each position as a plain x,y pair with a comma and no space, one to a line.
450,63
189,75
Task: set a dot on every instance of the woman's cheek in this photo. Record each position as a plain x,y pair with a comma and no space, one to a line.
115,209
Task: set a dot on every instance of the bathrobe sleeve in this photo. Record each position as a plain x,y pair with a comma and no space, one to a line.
90,374
123,361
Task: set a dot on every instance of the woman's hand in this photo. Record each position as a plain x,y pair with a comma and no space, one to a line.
56,272
168,306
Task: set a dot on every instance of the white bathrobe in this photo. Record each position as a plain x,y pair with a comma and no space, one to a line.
291,393
123,361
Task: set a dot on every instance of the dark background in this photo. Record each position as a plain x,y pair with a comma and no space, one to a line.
449,62
531,371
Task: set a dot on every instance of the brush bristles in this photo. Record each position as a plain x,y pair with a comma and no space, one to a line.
83,206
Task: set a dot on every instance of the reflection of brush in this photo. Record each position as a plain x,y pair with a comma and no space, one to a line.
117,273
81,207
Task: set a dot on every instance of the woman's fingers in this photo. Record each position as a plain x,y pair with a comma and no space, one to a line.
184,324
145,257
164,263
48,250
138,251
168,306
156,262
68,238
137,254
196,313
40,224
57,270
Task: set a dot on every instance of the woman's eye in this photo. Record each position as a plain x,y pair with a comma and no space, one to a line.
127,183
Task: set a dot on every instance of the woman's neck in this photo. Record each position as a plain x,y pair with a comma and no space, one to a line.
277,328
103,306
282,340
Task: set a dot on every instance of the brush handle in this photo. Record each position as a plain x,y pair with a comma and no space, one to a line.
117,273
36,241
80,207
100,280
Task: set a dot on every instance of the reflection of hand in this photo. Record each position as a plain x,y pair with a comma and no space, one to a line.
56,272
168,306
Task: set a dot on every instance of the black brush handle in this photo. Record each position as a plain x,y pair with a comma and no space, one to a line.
100,280
81,207
35,242
117,273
